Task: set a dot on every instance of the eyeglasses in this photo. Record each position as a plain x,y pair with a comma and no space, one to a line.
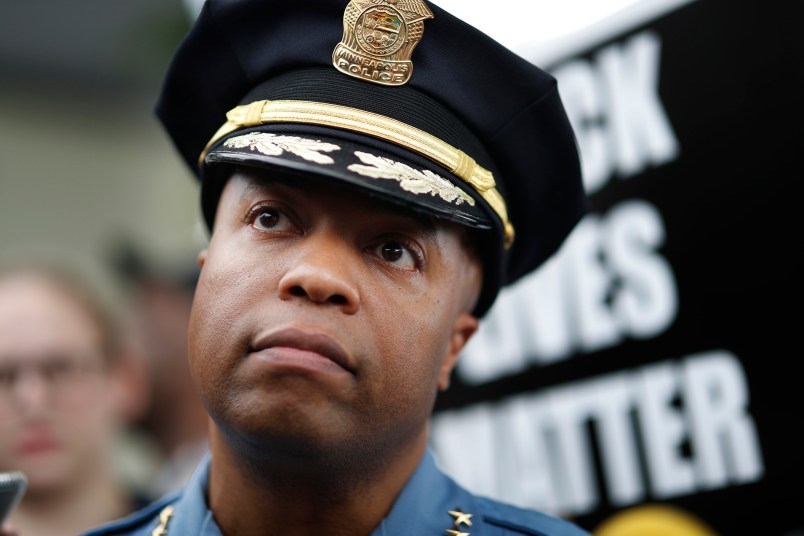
59,373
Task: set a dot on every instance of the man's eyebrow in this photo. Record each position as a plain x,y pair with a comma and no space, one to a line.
255,186
258,186
424,219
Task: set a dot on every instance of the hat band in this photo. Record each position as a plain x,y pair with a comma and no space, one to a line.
385,128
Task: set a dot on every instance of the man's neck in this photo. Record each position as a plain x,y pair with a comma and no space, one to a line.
317,498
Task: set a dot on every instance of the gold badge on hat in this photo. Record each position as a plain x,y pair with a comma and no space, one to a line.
378,39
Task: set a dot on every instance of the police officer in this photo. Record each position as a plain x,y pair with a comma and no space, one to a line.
372,173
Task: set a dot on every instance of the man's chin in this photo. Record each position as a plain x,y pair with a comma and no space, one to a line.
292,437
47,472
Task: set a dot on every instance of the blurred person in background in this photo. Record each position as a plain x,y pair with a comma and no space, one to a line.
174,421
67,390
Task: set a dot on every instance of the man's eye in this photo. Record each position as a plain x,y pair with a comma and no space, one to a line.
266,218
59,370
8,376
397,254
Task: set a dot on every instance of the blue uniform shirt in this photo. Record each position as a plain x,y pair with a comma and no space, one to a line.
430,504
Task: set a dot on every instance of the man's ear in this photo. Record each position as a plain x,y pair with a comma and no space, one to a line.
202,258
465,326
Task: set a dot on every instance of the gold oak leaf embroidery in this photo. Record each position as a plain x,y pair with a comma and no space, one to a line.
275,145
411,180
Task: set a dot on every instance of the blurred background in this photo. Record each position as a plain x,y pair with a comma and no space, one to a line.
83,164
646,373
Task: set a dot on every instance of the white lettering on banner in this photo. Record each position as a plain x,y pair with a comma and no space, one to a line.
648,300
616,110
723,435
537,450
607,283
664,431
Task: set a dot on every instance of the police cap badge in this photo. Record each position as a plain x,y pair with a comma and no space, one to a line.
379,38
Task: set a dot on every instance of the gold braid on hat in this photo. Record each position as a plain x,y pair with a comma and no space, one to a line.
378,126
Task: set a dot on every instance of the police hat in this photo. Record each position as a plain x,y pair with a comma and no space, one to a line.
396,97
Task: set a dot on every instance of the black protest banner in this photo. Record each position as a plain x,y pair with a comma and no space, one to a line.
653,361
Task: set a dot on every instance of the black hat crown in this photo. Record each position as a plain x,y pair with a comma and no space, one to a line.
398,98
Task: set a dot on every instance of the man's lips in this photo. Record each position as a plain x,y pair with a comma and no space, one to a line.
35,442
303,341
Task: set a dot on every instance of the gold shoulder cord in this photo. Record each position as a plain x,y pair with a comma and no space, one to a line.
375,125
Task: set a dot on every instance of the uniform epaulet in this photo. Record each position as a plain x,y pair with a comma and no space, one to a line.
136,520
527,522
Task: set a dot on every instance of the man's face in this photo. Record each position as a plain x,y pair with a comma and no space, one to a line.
57,410
325,319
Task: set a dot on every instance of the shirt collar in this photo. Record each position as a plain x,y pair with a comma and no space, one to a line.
422,507
192,516
425,502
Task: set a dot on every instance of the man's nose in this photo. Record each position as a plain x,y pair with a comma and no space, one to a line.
325,271
31,390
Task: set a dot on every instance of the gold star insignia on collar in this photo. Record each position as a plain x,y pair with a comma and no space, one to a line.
461,518
457,533
164,518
